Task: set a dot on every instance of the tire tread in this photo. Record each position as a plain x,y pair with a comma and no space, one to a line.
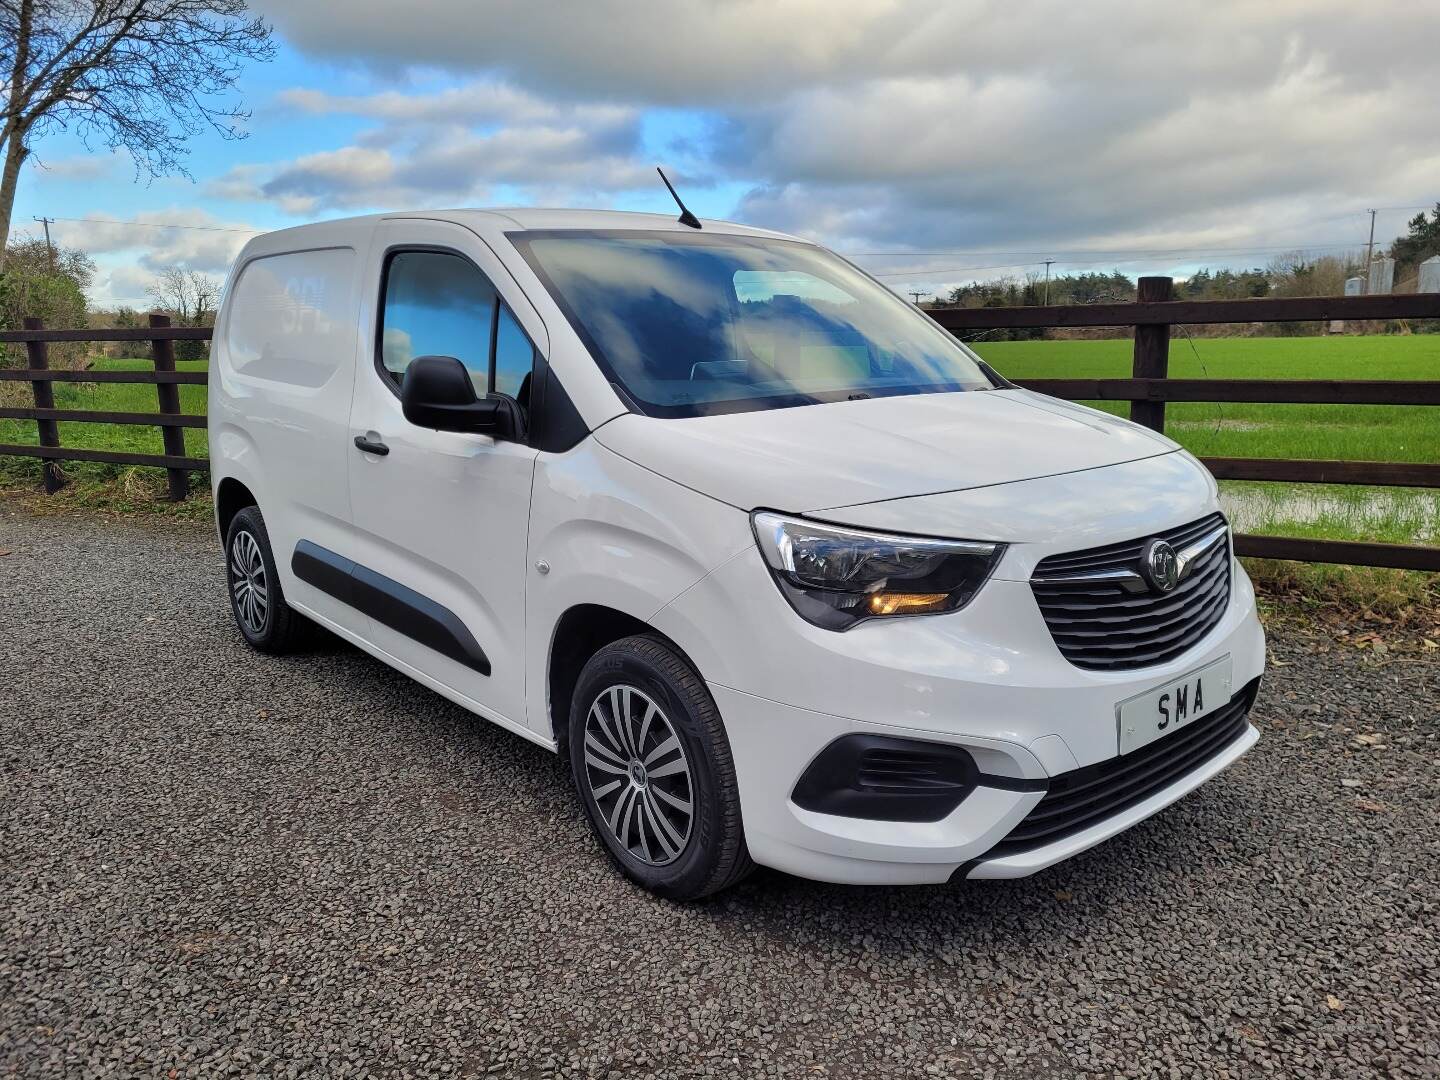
731,862
289,631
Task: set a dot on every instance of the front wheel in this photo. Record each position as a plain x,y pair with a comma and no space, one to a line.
653,769
265,620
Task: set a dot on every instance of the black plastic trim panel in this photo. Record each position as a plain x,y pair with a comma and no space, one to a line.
1082,798
884,778
388,602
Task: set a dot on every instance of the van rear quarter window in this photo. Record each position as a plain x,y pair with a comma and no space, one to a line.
292,317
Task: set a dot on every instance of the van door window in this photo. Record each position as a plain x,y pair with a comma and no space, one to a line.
437,304
514,358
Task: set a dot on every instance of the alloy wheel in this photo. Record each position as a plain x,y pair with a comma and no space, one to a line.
248,583
639,775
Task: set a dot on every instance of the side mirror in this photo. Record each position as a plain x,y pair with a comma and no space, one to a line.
437,393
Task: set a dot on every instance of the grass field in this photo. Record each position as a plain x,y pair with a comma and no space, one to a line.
1356,432
110,397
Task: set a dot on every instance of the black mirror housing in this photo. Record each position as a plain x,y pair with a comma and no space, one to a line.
437,393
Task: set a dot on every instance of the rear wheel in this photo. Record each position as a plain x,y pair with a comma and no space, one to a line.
653,769
265,620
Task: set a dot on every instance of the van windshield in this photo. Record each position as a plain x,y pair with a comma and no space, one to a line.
694,325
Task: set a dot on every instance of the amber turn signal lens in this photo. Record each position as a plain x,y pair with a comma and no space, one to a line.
905,603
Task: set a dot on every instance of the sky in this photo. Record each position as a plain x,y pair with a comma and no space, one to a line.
934,143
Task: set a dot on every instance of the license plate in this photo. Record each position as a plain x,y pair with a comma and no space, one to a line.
1156,713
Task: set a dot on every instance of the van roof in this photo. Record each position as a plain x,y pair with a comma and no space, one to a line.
524,218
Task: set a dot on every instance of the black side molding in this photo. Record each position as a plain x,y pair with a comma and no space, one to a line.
388,602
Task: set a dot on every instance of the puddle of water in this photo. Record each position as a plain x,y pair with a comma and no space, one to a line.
1358,511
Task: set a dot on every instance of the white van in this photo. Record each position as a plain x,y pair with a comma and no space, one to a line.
790,575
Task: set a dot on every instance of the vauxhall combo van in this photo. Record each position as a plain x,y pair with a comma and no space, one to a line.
789,575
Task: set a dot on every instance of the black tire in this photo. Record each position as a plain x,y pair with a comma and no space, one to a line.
280,629
713,855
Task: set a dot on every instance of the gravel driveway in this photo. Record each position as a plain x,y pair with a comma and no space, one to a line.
214,863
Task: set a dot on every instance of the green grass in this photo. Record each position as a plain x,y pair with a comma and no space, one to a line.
108,397
1354,432
1357,432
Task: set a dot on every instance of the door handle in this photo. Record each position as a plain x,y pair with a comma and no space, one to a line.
379,449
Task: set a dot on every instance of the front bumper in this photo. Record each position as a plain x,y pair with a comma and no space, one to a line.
859,851
989,679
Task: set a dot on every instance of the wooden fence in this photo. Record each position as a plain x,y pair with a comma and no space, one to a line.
170,420
1148,391
1153,313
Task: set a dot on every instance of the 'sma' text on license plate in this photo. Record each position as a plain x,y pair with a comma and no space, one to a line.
1156,713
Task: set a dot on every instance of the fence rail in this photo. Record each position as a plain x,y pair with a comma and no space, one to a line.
1156,308
1153,313
1148,391
166,380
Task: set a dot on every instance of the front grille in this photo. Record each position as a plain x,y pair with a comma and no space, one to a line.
1084,797
1113,625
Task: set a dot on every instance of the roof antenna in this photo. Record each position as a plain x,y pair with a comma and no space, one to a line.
686,218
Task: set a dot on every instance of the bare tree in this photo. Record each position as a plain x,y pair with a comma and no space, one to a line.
138,75
192,299
190,296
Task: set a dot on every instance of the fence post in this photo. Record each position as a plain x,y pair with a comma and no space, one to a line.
1152,351
162,350
37,354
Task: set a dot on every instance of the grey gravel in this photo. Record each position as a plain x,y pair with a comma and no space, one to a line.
214,863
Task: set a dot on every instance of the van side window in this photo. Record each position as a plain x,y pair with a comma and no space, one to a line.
514,357
437,305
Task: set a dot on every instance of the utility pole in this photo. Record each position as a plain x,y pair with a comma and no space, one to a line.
1047,281
1369,249
915,296
47,222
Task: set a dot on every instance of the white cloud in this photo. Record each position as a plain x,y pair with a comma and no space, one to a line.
900,124
201,242
703,52
474,104
128,254
678,51
452,146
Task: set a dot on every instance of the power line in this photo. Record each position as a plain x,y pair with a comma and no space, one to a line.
157,225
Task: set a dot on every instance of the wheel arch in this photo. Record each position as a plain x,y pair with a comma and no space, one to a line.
231,496
581,631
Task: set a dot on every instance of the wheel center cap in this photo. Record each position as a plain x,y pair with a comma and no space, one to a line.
638,776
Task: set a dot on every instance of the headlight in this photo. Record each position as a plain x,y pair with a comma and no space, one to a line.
836,577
